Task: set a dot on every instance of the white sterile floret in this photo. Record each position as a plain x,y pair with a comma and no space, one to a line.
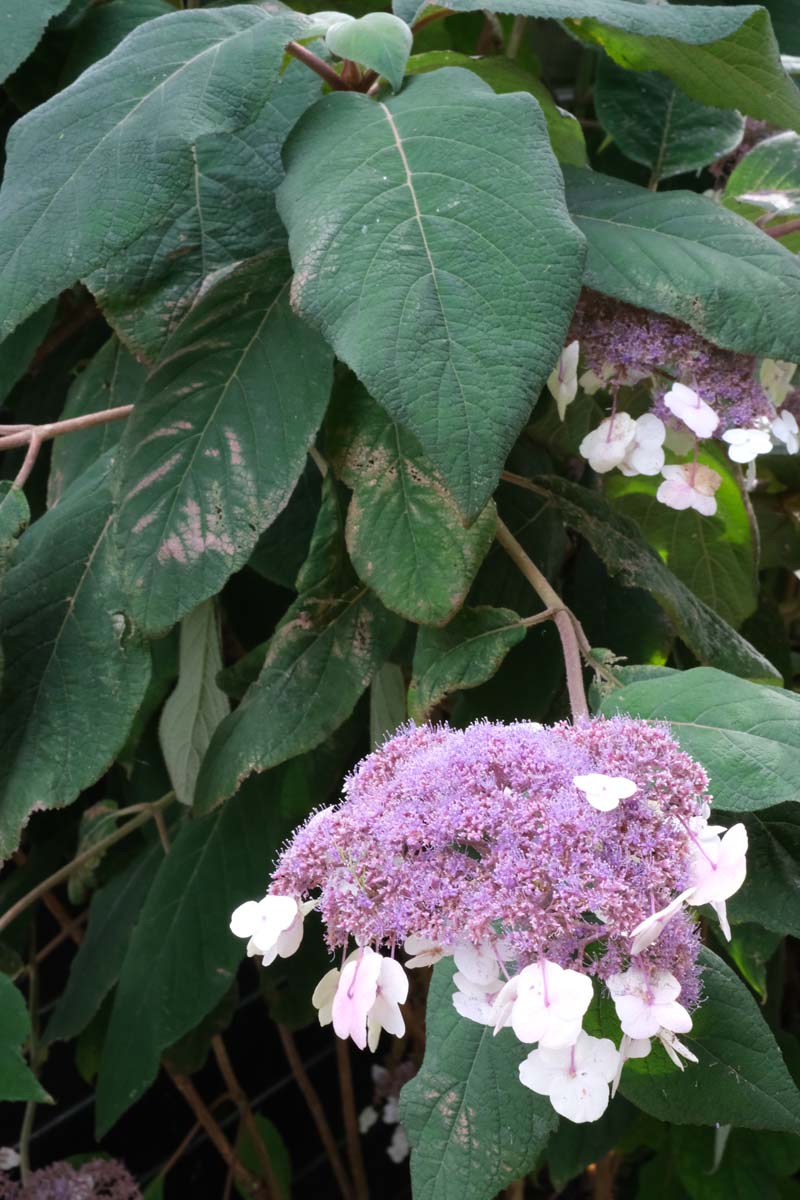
475,1001
649,930
785,430
562,383
424,951
274,926
392,991
775,378
323,994
575,1078
647,1002
645,456
629,1048
605,447
604,792
545,1003
745,445
479,964
675,1049
685,404
718,869
690,485
592,381
369,992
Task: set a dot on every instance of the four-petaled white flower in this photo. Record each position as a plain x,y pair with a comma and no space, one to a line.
650,929
685,404
424,951
562,383
718,869
690,485
576,1078
369,991
545,1003
605,447
775,378
745,445
274,925
604,792
475,1001
784,429
647,1002
645,455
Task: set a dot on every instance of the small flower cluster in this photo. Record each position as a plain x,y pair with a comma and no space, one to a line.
698,390
541,859
105,1179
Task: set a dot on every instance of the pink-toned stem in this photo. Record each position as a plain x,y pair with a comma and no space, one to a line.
779,231
23,435
323,69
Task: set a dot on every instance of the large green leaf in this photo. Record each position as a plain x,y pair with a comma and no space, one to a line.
726,56
680,253
770,895
767,181
103,161
464,654
113,378
714,556
113,913
17,1081
473,1127
655,124
198,705
182,957
503,76
618,542
102,29
319,661
741,1078
217,441
437,257
745,735
378,40
404,533
22,23
225,214
75,671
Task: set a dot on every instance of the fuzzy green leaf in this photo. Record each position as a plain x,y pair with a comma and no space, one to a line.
770,895
22,23
378,40
437,258
17,1081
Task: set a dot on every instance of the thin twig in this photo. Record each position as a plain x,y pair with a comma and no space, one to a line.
64,872
246,1113
438,15
29,461
352,1135
161,826
516,35
779,231
323,69
29,1114
562,617
23,435
205,1118
317,1111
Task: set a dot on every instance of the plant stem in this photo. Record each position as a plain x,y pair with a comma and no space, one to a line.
317,1111
241,1101
64,872
323,69
779,231
30,1108
515,37
23,435
439,15
564,621
352,1135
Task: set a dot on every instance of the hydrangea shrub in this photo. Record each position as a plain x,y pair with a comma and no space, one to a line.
399,595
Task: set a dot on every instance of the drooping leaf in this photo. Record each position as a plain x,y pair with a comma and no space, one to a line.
112,379
378,40
17,1081
714,556
741,1078
682,254
752,1164
218,439
726,56
319,661
75,673
387,703
182,957
655,124
281,550
103,161
473,1127
747,736
628,558
22,23
224,214
437,259
464,654
198,705
770,895
404,533
17,350
113,913
503,76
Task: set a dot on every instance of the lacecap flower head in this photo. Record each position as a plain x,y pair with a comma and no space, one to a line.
548,862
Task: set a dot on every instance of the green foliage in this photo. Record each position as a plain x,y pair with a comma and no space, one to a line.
472,1128
17,1081
379,41
23,23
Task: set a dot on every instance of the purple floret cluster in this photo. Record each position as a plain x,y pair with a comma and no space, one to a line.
481,833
